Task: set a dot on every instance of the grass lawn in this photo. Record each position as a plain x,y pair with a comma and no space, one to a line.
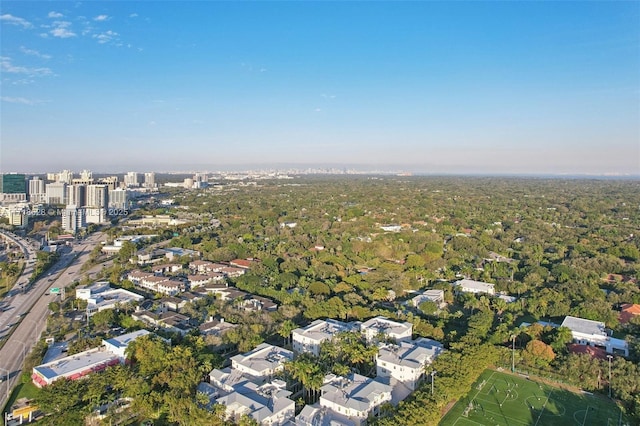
499,399
22,390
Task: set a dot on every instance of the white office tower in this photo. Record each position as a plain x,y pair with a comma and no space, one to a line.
97,196
118,199
77,195
73,219
52,177
65,176
86,175
36,190
150,180
131,179
56,193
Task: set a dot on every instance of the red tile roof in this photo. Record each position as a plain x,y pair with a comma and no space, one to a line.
592,351
629,310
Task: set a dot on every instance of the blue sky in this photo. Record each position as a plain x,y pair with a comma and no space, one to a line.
441,87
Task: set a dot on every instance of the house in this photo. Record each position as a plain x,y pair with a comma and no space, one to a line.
404,364
215,327
100,296
309,338
593,333
354,398
173,303
170,321
375,327
265,360
258,303
435,296
593,352
471,286
629,311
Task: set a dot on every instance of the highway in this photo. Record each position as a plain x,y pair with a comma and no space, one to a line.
25,319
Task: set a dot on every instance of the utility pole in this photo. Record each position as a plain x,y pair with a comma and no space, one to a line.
609,357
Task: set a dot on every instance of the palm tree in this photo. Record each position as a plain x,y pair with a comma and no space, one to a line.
285,330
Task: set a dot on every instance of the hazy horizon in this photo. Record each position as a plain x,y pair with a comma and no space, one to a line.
524,88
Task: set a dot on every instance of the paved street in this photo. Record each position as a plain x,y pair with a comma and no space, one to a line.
28,311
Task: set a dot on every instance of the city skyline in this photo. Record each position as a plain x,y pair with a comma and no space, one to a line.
424,87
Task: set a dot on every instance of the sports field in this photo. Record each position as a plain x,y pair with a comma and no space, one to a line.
505,399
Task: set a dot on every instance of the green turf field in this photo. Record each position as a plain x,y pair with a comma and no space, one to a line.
504,399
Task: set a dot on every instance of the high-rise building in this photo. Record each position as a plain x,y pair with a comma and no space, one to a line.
131,179
65,176
97,196
73,219
36,189
118,199
77,195
14,183
86,175
150,180
56,193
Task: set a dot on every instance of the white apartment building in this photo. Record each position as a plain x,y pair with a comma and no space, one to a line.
263,361
131,179
381,326
309,338
73,219
76,195
404,364
118,199
101,296
97,196
150,180
354,397
37,192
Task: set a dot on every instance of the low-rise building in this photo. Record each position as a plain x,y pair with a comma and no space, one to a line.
355,397
435,296
100,296
471,286
404,364
594,333
376,327
263,361
267,404
308,339
112,352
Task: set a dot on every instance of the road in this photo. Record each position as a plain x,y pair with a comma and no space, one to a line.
28,313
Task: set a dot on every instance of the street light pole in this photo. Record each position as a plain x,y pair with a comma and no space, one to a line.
7,382
609,357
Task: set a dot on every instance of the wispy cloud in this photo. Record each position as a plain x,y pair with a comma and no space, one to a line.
6,64
32,52
62,30
100,18
15,20
55,15
22,101
106,37
133,15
